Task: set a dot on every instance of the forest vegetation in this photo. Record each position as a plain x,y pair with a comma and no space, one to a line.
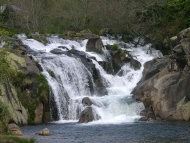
158,20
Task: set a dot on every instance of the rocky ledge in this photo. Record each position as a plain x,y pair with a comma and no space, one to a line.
164,87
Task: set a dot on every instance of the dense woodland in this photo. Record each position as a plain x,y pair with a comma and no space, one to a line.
158,20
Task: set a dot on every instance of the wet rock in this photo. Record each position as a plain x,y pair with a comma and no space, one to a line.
86,101
86,115
94,45
14,129
107,66
102,91
136,65
44,132
57,51
63,47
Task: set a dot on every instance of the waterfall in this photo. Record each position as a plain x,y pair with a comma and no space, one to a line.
71,79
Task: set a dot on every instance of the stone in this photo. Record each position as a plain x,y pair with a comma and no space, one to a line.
94,45
102,91
57,51
63,47
183,34
86,101
107,66
91,36
187,57
136,65
44,132
178,49
14,129
185,43
86,115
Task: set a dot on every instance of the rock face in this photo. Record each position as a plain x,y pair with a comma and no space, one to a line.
14,130
18,93
44,132
39,113
164,87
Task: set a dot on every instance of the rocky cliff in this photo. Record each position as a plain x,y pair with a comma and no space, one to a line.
164,87
26,93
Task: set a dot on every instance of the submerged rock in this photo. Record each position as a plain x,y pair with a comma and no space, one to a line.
44,132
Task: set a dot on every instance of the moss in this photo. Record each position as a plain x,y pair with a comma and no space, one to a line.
43,87
8,138
115,47
15,60
51,73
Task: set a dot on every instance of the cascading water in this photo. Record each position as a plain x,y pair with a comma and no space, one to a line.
70,80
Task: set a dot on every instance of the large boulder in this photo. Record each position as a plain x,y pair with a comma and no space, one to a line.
164,87
86,101
94,45
86,115
14,129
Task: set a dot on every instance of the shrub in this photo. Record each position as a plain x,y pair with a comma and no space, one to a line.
7,138
115,47
96,31
4,118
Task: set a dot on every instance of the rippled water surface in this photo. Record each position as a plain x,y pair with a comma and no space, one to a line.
138,132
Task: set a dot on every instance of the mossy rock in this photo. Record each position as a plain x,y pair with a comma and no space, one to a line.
16,62
10,98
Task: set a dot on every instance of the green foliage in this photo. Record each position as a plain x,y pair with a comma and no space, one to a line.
7,138
5,69
4,118
51,73
4,31
19,79
4,16
43,88
115,47
96,31
122,55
